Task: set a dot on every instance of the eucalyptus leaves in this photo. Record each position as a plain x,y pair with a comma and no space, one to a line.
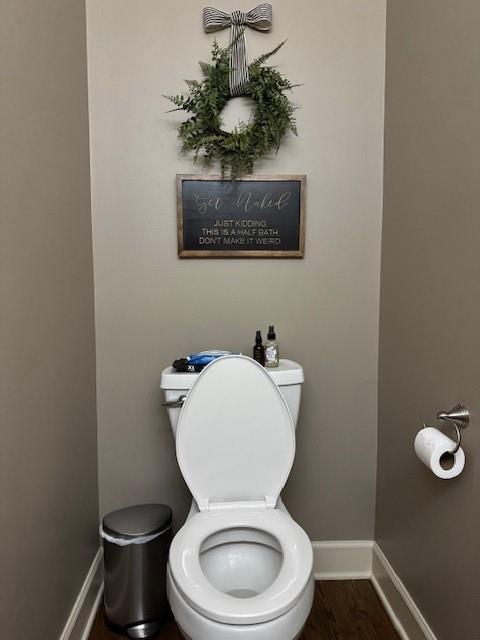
238,150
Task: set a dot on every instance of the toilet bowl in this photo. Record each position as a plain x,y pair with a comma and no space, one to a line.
240,566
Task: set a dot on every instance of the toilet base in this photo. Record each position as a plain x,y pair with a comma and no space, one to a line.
184,635
195,626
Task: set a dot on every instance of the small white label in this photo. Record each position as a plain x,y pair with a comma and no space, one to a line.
271,354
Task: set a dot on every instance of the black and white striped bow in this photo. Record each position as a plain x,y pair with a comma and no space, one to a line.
259,18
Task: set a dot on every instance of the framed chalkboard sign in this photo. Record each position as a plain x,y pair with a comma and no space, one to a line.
253,217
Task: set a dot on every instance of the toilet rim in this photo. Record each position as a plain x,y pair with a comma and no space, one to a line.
277,599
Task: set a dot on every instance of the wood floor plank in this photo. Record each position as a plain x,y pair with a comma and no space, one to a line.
342,610
348,610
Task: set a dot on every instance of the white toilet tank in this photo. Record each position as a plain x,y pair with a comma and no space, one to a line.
288,376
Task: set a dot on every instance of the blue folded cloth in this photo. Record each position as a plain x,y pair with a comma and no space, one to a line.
205,357
195,362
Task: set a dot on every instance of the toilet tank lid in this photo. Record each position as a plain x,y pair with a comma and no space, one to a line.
287,373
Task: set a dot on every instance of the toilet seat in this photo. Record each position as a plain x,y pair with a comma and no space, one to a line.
277,599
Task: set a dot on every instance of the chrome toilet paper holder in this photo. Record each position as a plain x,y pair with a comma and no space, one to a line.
459,418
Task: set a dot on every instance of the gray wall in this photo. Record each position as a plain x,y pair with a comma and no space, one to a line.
430,304
151,307
48,461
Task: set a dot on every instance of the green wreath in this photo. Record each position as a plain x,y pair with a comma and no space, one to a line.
235,151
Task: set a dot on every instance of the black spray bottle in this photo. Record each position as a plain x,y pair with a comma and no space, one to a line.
259,349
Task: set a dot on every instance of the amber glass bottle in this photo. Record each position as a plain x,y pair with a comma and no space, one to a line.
259,349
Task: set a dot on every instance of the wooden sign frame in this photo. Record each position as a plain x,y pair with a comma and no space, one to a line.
187,252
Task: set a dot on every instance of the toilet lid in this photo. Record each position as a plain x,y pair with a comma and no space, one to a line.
235,435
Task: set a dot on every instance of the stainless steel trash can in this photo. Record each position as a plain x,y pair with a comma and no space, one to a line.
136,541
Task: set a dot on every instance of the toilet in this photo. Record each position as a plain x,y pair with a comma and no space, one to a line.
240,567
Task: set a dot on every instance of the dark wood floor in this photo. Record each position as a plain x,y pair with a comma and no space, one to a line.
346,610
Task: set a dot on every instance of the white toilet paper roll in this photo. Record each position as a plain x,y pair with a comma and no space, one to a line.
431,445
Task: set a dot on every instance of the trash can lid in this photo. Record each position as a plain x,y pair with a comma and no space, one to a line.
138,520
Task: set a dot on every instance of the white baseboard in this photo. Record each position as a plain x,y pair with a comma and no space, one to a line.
399,604
82,615
342,559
